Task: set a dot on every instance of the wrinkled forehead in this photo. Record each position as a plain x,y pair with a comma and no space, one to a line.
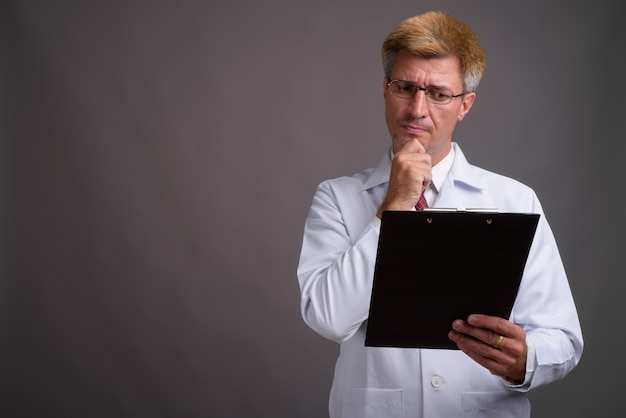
441,71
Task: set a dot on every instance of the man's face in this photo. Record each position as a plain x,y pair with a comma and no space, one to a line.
432,124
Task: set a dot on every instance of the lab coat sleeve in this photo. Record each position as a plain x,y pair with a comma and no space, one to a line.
336,270
545,309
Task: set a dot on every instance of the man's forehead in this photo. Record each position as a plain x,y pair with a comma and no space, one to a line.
433,70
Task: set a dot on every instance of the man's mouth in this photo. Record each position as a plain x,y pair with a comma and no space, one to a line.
412,129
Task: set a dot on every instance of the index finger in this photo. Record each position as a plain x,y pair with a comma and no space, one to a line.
496,324
414,145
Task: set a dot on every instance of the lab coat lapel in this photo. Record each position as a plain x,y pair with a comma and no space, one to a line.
463,188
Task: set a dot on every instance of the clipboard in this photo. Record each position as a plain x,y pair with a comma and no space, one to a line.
435,266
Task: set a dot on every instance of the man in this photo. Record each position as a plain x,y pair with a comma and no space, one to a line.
433,64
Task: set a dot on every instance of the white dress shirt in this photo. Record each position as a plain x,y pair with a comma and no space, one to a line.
335,274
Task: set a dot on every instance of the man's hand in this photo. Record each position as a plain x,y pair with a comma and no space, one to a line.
479,338
411,172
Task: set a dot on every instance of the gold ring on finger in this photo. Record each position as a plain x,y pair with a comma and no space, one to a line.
499,342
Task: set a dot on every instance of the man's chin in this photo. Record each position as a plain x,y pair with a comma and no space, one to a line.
398,143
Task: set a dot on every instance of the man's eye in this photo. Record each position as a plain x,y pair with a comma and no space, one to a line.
438,94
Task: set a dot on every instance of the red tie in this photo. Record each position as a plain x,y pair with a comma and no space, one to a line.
421,203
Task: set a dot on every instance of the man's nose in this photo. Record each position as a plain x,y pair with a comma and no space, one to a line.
419,105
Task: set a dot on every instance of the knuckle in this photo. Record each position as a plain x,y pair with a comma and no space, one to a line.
501,325
508,363
516,350
483,349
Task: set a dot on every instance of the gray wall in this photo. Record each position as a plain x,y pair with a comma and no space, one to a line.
159,158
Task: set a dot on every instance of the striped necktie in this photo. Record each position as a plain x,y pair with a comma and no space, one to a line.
421,203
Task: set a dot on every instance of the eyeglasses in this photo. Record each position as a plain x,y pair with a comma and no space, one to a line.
408,90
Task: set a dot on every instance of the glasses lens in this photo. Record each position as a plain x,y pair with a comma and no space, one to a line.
408,89
438,95
403,89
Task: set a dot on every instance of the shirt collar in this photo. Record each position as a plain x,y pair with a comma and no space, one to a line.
441,170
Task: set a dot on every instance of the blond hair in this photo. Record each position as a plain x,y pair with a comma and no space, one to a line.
437,35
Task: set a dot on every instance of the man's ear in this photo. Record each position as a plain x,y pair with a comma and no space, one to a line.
466,105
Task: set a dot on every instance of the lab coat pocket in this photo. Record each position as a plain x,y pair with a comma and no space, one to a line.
504,404
372,403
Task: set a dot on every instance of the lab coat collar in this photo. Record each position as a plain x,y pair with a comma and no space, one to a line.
380,174
463,172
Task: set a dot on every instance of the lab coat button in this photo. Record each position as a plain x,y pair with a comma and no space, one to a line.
436,381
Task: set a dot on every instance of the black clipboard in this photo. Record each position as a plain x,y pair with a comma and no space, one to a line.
433,267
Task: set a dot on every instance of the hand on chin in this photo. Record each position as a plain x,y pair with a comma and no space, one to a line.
399,143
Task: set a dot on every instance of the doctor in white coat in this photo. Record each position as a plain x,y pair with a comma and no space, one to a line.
433,64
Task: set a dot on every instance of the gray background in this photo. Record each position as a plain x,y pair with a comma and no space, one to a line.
159,158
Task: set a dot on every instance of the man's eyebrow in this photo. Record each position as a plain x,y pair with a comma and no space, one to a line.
438,86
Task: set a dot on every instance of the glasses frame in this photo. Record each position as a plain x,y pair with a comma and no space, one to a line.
424,89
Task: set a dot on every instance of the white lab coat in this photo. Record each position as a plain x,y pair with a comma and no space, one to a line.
335,274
